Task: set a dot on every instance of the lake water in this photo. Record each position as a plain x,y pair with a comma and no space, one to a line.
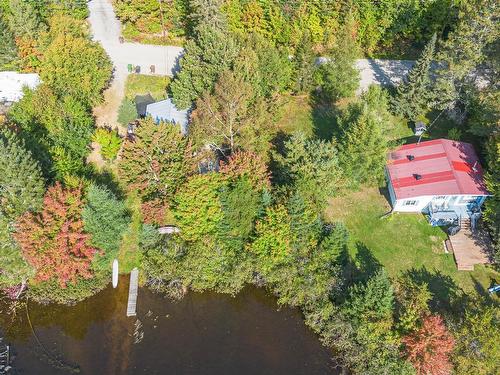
203,334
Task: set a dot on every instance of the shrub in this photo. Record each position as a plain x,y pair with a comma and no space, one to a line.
110,142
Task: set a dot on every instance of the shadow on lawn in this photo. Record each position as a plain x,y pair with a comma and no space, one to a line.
323,118
446,295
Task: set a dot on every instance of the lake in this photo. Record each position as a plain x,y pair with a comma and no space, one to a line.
203,334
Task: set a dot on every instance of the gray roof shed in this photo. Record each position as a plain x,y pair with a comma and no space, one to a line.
165,110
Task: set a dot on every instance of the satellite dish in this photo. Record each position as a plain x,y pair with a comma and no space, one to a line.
115,273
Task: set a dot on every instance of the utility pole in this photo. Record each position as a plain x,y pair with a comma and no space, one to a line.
160,2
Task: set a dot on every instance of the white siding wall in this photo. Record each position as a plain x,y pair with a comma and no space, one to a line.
420,203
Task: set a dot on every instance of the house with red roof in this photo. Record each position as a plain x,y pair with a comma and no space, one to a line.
441,177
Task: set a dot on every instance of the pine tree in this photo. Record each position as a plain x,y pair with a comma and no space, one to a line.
413,95
205,57
8,48
207,13
304,64
463,51
21,183
362,145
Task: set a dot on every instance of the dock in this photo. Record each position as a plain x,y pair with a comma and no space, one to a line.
132,292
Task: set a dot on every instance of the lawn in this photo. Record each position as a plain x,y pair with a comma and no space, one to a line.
142,84
400,241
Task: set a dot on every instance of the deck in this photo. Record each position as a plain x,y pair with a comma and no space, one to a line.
471,248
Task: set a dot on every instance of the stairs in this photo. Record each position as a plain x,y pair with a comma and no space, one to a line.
465,224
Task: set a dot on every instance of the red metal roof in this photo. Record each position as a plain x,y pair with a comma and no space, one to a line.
438,167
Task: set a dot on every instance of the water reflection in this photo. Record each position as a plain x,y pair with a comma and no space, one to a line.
202,334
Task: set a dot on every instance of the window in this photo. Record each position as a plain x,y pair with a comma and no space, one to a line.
410,203
466,199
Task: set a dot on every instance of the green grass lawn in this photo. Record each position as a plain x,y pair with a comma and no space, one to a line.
401,241
141,84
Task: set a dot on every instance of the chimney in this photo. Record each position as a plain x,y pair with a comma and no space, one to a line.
410,157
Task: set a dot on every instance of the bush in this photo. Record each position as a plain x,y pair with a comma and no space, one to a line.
127,112
110,142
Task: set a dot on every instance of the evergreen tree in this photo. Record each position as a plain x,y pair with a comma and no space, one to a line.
21,183
105,218
304,64
212,52
413,94
463,51
362,144
8,48
207,13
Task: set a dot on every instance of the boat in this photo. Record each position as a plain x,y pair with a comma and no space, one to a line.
115,273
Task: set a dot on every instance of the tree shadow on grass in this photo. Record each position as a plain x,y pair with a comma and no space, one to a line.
107,179
446,295
366,264
324,118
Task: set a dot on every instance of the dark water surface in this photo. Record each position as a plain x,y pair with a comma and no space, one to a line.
202,334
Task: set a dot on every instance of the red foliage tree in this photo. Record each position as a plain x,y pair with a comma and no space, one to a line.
249,165
53,241
429,347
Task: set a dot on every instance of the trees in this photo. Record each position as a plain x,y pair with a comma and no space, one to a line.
477,349
21,183
221,118
429,348
463,51
197,208
362,141
304,64
25,18
8,48
105,218
212,52
154,162
53,241
59,136
244,164
339,77
77,67
414,93
312,165
127,112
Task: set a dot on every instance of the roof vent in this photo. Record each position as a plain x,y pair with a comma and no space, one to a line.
410,157
417,176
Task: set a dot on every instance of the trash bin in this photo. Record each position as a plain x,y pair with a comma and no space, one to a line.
152,69
137,69
130,68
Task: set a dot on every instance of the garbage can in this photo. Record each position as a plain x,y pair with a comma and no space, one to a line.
137,69
130,68
152,69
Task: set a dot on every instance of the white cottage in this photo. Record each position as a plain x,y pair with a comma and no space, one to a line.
442,178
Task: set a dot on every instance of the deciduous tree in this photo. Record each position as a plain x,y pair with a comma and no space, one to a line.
429,348
76,66
53,241
154,161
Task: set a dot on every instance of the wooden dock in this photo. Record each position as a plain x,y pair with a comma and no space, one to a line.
132,292
471,247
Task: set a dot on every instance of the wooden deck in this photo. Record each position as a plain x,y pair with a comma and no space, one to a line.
471,248
132,292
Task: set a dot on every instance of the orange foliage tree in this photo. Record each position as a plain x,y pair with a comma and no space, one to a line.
53,241
247,164
429,347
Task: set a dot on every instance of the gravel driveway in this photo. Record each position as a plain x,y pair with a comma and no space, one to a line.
106,29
